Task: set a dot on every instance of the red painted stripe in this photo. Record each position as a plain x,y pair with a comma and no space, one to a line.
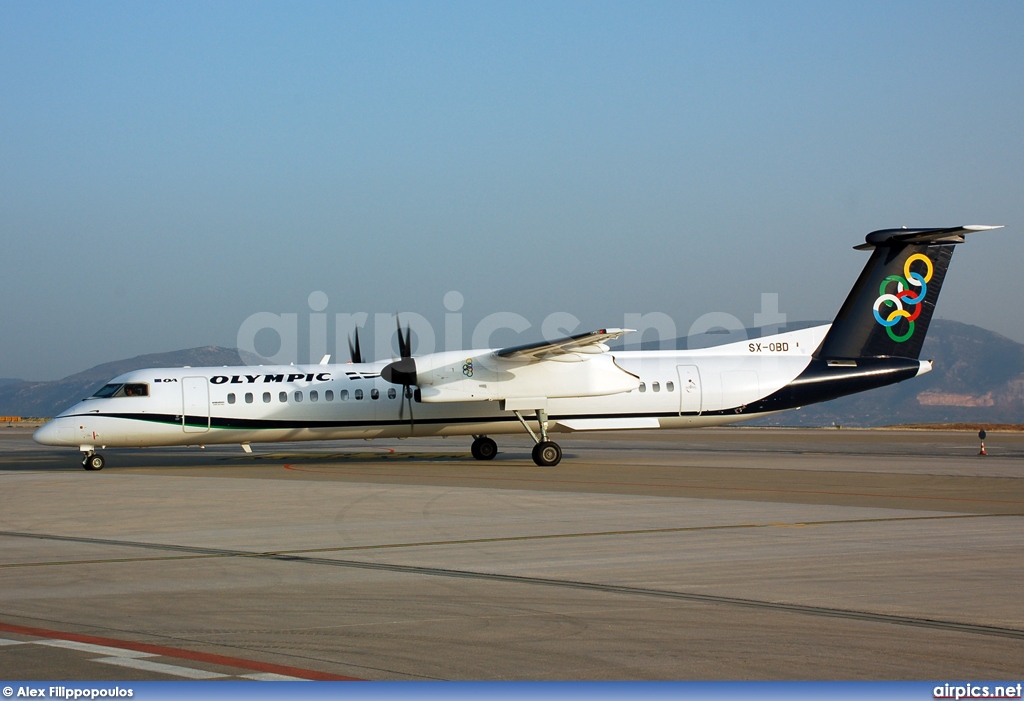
179,653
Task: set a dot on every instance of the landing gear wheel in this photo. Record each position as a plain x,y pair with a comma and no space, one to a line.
547,454
484,448
93,462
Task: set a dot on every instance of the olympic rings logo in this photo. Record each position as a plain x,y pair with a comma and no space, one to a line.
467,367
904,296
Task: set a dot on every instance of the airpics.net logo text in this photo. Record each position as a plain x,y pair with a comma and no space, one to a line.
977,691
274,338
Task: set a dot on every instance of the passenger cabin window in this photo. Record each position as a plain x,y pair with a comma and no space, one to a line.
329,395
391,393
283,397
643,387
313,396
266,397
670,387
374,393
231,398
343,395
358,394
298,396
656,386
248,397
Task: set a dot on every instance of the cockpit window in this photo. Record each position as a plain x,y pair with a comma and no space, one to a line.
107,391
131,389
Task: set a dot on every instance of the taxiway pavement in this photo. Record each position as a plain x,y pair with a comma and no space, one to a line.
733,553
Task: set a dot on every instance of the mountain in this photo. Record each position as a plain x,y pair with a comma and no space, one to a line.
46,399
978,379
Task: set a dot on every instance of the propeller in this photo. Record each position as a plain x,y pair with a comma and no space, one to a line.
403,371
404,342
354,352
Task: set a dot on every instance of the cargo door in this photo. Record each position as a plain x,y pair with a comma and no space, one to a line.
689,389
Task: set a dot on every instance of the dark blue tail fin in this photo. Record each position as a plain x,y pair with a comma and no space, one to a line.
889,308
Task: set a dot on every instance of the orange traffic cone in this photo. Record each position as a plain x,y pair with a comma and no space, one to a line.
983,449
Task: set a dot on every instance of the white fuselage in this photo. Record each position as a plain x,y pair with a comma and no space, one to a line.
253,404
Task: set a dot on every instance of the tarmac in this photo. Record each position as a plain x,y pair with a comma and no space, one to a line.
730,553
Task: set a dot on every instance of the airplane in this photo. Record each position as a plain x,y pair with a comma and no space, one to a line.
571,384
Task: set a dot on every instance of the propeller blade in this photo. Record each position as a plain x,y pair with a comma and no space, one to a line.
407,393
353,350
403,371
404,341
406,396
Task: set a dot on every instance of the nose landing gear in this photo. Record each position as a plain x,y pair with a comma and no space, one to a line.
93,461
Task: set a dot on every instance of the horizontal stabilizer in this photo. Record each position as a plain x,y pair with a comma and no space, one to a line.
905,236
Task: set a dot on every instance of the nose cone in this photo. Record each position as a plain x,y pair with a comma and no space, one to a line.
56,432
45,434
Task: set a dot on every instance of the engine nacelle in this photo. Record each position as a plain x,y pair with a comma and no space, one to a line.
457,376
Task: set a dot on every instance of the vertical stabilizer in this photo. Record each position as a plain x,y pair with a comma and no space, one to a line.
888,311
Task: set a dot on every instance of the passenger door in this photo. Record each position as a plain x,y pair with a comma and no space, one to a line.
195,405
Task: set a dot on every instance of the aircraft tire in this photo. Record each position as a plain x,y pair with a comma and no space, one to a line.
93,462
484,448
547,454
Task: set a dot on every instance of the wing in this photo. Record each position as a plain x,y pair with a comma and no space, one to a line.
590,342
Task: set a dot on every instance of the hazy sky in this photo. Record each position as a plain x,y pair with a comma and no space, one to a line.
169,169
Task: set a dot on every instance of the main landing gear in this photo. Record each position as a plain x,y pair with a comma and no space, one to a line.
546,453
484,448
93,461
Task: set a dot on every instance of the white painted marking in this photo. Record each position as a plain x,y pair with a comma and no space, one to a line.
271,677
95,649
5,641
173,670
